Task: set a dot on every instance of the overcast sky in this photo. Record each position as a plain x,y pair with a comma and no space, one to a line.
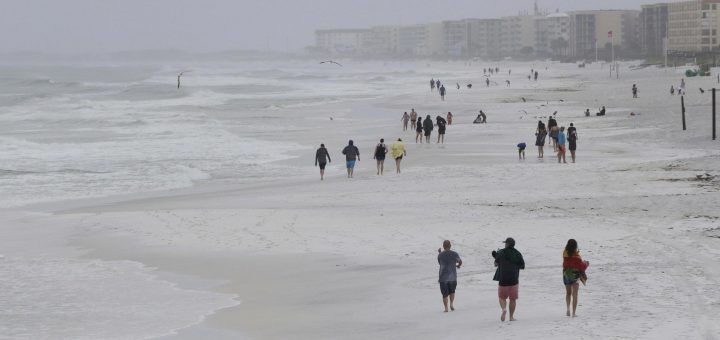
81,26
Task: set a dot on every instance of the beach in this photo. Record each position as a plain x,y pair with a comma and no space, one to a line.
199,214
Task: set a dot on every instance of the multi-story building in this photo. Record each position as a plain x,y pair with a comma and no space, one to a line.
420,40
485,38
381,41
653,29
518,35
341,41
693,25
456,38
603,27
552,35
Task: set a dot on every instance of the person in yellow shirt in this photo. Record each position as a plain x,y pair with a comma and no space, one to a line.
398,151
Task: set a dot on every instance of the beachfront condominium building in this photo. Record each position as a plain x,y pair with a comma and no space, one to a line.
421,40
653,29
552,33
341,41
693,25
381,41
517,35
602,29
472,38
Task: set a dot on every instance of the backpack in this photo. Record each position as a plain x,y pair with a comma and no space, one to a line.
380,150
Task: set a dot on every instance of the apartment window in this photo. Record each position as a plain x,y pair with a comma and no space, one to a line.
705,41
714,41
706,7
714,6
714,32
704,15
705,32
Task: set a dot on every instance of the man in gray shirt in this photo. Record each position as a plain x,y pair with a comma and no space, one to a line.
449,261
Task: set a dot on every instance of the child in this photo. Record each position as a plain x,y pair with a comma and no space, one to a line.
521,150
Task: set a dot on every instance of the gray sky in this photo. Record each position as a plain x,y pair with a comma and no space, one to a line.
80,26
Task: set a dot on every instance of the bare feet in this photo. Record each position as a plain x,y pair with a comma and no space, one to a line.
574,316
452,308
567,313
502,316
513,319
446,311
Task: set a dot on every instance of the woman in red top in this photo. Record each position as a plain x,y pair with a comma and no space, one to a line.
573,270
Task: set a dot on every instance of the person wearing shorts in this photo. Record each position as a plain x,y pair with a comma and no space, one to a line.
561,140
352,154
572,140
573,270
322,157
380,152
449,262
397,150
509,262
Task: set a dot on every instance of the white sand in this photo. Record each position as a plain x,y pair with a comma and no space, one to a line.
356,259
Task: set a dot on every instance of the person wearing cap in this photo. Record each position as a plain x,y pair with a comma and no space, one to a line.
397,150
509,262
322,157
449,261
352,154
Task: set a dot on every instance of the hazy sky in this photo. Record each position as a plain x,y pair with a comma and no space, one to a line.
79,26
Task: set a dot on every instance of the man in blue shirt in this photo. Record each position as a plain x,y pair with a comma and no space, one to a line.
449,261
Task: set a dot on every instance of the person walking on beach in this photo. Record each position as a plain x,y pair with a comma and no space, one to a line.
432,85
672,90
419,131
441,123
428,127
634,90
552,130
536,75
442,92
352,154
561,145
681,89
437,83
413,118
449,262
322,157
540,135
405,119
397,150
572,141
573,270
449,118
487,82
521,150
509,262
380,152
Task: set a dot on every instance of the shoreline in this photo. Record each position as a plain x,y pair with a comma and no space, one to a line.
355,257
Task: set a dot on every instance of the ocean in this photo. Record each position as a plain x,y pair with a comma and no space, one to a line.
76,130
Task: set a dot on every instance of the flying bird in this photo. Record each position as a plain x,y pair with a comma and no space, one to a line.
702,91
330,62
554,113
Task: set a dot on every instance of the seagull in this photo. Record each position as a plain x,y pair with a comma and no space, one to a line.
554,113
180,75
702,91
562,100
331,62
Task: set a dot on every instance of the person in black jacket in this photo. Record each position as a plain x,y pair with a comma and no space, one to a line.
441,123
509,261
322,157
418,130
352,154
428,127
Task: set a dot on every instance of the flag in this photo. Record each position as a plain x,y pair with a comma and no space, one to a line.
609,34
